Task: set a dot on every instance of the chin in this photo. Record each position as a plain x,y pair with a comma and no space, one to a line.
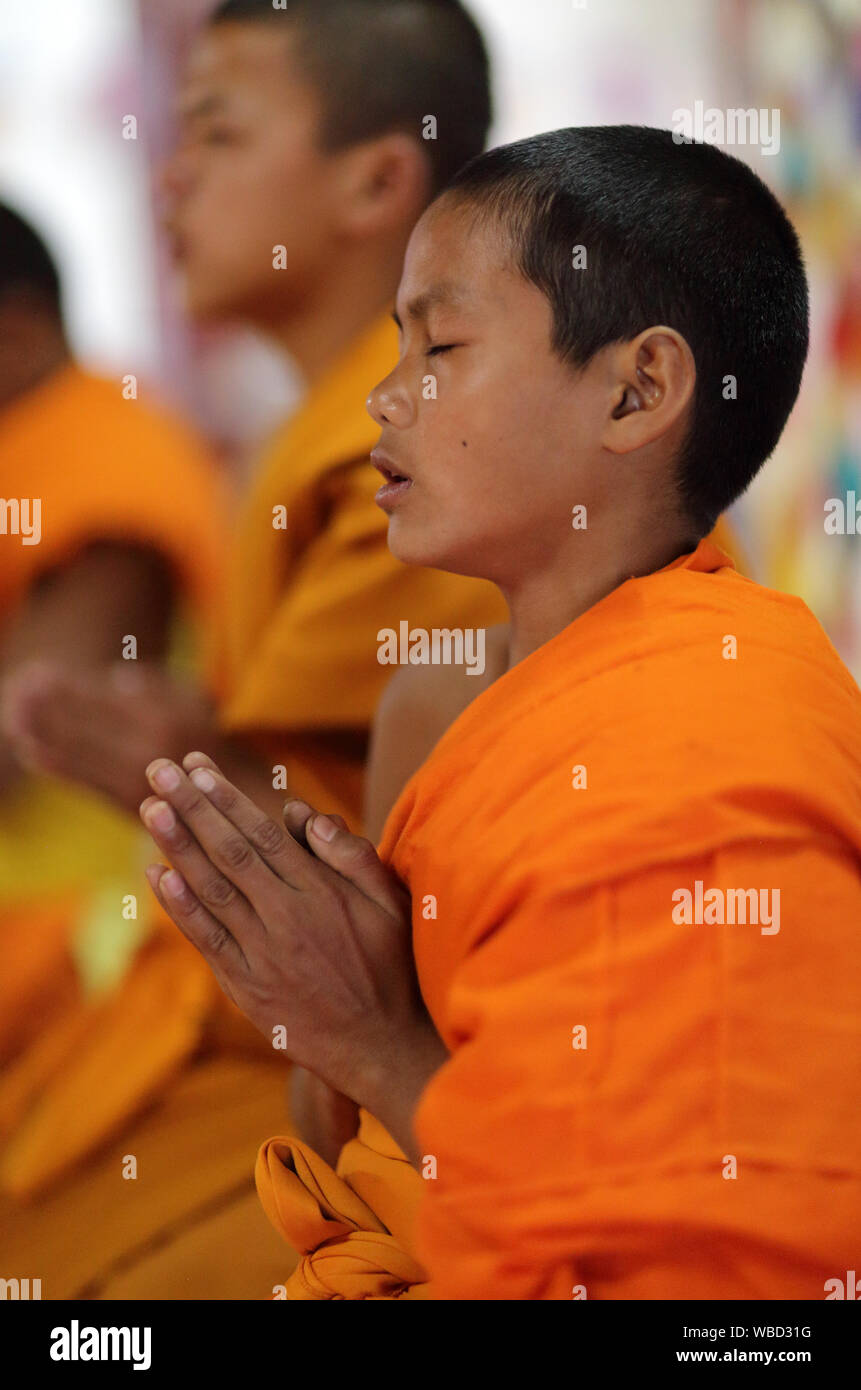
200,304
207,299
412,548
207,309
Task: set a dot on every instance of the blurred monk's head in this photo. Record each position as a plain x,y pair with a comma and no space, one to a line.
322,127
32,341
603,332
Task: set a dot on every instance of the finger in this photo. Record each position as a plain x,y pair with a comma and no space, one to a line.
220,950
296,815
221,898
193,760
268,843
356,859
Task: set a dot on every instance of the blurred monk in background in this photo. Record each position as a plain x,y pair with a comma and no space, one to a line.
312,137
110,547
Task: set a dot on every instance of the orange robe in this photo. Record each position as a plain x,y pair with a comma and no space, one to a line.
197,1088
652,1092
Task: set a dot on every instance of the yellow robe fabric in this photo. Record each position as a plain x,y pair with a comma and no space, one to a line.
644,1098
297,655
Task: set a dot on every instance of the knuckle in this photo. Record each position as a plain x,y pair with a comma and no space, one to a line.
191,906
333,895
217,940
218,892
180,840
194,802
268,837
362,852
236,852
226,795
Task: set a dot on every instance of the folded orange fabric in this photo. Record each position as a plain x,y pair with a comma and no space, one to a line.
345,1249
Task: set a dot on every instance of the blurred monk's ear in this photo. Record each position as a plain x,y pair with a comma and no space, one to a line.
383,185
651,381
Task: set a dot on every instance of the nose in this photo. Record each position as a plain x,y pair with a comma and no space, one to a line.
174,177
390,403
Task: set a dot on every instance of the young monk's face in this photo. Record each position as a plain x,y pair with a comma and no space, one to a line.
496,437
247,177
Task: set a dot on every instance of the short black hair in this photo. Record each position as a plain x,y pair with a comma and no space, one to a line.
25,262
675,232
384,65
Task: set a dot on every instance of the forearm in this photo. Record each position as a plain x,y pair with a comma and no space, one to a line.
324,1118
391,1089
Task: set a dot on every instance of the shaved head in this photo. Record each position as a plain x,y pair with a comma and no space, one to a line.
388,65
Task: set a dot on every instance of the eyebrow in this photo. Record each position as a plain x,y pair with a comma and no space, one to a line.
197,108
446,292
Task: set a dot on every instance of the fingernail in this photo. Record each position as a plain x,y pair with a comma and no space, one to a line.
202,779
161,817
324,828
173,884
154,873
299,809
167,778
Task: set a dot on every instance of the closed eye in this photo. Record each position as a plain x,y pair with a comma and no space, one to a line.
440,347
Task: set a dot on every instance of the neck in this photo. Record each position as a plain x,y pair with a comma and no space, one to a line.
546,601
23,371
345,304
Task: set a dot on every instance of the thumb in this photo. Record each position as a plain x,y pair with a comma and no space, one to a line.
356,860
296,814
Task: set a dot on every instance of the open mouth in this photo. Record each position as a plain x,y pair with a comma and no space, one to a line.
388,470
395,483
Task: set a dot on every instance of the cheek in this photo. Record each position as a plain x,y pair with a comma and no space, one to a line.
484,441
248,182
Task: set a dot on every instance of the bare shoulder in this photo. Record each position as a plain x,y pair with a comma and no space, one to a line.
417,706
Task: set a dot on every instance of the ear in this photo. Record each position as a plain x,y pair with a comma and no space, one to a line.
383,185
651,382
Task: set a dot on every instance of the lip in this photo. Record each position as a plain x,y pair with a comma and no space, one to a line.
396,483
177,242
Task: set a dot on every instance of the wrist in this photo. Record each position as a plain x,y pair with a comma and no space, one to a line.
393,1081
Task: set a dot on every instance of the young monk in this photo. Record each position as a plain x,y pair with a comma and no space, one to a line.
301,169
109,527
294,187
600,985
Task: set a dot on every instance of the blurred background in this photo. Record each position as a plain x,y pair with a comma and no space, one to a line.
72,70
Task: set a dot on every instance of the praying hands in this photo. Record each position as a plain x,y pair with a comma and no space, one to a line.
308,933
